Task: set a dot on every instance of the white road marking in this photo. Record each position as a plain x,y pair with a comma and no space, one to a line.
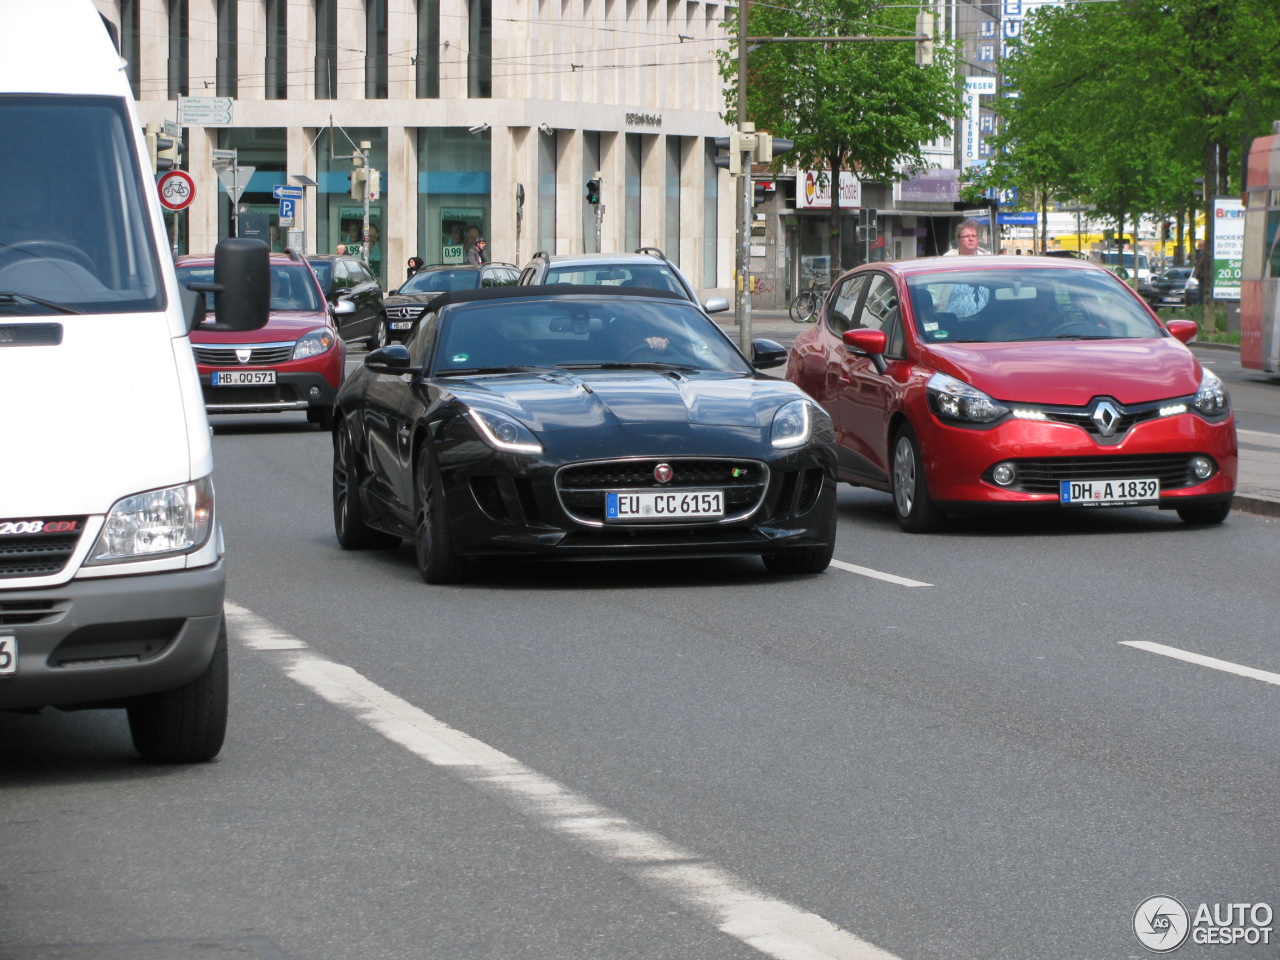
1226,666
1259,437
773,927
879,575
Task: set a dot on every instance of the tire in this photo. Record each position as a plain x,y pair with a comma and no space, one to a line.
912,505
1205,513
378,339
438,562
800,561
348,513
323,416
186,725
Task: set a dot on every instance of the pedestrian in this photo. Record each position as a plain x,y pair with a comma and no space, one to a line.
475,255
967,241
340,249
415,264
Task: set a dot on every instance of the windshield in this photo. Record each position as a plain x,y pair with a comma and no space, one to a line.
582,333
435,281
992,306
73,222
291,287
654,276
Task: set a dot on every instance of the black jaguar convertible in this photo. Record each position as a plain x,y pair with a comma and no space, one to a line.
577,423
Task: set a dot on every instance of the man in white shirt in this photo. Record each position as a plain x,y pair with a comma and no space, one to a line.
967,241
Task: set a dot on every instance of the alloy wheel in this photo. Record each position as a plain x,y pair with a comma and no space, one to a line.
904,477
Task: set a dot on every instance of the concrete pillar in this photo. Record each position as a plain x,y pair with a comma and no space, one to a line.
351,48
251,36
402,45
613,191
508,151
400,181
692,209
454,21
569,191
299,158
202,32
202,215
301,49
653,191
153,42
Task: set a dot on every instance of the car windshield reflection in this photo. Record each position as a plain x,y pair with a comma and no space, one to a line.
997,306
581,334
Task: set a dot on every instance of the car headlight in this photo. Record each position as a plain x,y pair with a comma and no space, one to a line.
156,523
792,425
954,399
504,433
313,344
1212,398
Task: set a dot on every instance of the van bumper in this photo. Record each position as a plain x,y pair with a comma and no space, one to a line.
101,642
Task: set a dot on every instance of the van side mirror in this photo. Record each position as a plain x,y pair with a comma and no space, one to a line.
241,285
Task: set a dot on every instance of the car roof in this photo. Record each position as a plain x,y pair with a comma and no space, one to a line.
922,265
562,258
554,291
204,259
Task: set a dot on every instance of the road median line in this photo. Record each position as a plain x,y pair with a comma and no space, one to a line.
1213,663
879,574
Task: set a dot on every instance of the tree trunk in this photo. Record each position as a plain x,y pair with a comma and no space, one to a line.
1178,259
837,267
1202,263
1044,222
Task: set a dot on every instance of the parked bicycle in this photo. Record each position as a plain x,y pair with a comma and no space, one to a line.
806,304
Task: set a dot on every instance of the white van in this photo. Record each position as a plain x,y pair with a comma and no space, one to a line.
1114,261
111,571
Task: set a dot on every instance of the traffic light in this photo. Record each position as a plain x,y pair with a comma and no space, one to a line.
732,162
164,152
764,190
593,191
867,224
374,182
925,31
359,177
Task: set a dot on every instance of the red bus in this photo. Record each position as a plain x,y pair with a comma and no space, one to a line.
1260,269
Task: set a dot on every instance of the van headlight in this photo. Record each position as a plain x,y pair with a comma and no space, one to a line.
792,425
157,523
313,344
1212,398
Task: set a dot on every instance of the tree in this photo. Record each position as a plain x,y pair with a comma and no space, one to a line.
866,105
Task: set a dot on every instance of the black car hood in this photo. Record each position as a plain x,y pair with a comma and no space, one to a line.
405,299
585,399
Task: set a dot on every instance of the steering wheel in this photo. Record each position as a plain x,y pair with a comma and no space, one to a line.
642,350
56,251
1074,326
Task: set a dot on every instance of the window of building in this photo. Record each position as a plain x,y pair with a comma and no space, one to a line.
277,65
480,48
453,194
710,213
227,67
427,61
178,69
326,49
671,243
375,46
339,217
590,164
546,191
258,212
631,203
130,43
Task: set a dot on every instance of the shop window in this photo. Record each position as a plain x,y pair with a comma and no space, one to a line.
453,194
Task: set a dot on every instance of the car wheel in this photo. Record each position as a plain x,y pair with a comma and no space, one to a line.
438,562
348,513
1205,513
912,504
378,339
186,725
323,416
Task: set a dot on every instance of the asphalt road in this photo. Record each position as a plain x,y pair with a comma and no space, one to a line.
679,760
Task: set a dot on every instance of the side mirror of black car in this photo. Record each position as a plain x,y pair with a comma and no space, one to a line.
767,353
393,358
241,286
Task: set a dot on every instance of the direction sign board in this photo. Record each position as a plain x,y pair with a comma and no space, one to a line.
234,180
223,158
172,129
283,192
204,111
177,190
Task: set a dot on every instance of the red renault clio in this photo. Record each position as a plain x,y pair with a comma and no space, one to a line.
295,362
955,383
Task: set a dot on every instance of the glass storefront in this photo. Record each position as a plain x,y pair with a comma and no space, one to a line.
340,218
453,193
258,213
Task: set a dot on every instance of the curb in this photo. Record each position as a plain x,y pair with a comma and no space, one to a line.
1258,506
1223,347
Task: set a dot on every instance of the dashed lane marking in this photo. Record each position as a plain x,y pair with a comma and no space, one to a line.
772,927
879,575
1226,666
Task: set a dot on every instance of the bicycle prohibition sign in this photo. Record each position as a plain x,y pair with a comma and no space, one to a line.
177,190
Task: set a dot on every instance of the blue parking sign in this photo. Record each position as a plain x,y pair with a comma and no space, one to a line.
287,206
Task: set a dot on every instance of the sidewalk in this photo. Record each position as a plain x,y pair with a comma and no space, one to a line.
1258,483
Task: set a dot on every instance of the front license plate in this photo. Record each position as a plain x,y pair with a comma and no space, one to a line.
665,505
243,378
8,654
1102,493
402,325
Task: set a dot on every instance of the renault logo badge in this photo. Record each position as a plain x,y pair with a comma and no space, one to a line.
1107,418
663,473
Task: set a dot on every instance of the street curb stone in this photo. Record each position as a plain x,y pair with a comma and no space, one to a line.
1259,506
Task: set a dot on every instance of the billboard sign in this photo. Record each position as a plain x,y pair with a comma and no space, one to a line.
813,190
974,88
1228,248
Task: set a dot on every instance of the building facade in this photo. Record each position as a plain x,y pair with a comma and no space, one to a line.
484,117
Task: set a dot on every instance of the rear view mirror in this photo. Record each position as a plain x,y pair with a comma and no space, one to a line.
767,353
1184,330
344,308
393,358
868,341
241,285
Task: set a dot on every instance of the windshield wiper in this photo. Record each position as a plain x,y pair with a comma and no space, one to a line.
471,371
641,365
60,307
